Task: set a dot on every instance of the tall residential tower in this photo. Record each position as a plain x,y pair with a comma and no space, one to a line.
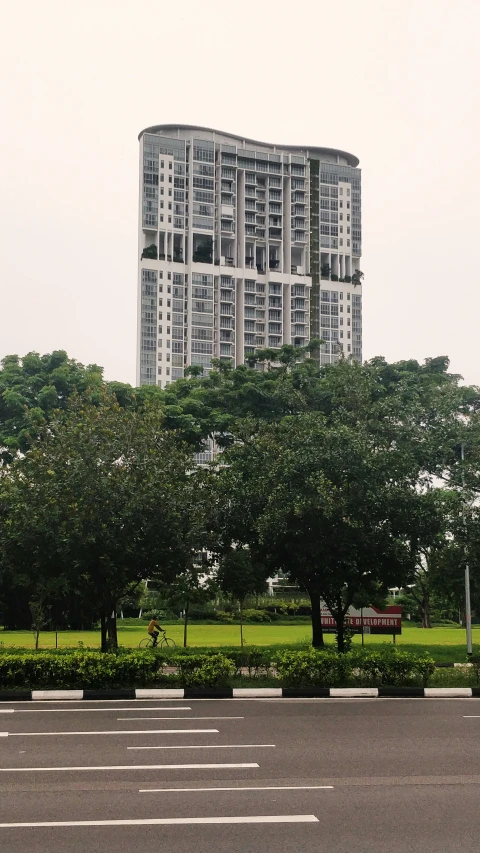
244,245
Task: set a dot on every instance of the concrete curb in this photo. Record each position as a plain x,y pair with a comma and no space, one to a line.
243,693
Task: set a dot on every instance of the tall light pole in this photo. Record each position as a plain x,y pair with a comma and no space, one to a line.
468,613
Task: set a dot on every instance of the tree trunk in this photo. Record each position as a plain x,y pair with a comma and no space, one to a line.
339,610
241,623
340,631
112,629
185,623
37,639
425,611
317,630
103,631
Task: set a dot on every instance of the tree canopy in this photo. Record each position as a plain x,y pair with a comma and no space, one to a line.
329,473
101,501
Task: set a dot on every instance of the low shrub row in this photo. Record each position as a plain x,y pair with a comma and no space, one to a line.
88,669
96,670
328,669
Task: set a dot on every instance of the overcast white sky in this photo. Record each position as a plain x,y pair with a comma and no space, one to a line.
394,81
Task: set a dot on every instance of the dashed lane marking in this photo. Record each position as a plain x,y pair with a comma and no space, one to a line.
127,719
166,821
266,788
246,766
117,732
216,746
86,710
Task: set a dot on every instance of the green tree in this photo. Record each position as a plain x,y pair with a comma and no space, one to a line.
323,504
417,404
32,388
39,618
432,526
239,575
193,586
100,501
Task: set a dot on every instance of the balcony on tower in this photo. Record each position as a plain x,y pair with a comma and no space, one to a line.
202,248
260,259
250,256
298,260
273,258
227,250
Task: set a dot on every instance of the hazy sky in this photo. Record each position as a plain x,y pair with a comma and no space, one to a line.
394,81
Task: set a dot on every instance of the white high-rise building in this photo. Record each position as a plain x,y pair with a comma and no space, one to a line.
244,245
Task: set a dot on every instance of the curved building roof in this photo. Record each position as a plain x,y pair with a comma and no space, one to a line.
313,149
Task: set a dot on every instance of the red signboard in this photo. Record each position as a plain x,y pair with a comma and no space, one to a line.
374,621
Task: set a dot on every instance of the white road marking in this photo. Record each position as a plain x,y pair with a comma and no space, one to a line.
166,821
291,699
471,717
132,767
87,710
216,746
126,732
7,711
127,719
171,697
266,788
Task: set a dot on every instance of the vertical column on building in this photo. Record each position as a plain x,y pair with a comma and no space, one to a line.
287,224
189,255
216,316
287,313
239,321
315,251
240,219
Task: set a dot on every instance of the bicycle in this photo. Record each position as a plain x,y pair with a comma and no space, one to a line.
165,642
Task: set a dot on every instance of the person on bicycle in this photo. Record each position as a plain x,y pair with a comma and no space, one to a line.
152,630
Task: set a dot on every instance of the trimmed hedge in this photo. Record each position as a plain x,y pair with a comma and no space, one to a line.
308,668
96,670
393,668
314,668
205,670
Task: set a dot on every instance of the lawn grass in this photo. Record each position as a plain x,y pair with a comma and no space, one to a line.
443,644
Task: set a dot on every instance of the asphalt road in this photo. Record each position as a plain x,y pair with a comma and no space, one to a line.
238,776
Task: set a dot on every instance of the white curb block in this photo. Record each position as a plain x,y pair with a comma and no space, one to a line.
41,695
354,692
160,693
242,693
260,692
447,692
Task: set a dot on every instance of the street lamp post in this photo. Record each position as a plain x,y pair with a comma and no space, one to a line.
468,612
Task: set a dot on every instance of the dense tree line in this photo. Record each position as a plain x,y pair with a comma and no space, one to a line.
347,477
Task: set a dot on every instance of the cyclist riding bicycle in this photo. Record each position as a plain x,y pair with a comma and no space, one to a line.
153,632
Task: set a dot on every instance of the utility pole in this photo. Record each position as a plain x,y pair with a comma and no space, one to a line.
468,613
